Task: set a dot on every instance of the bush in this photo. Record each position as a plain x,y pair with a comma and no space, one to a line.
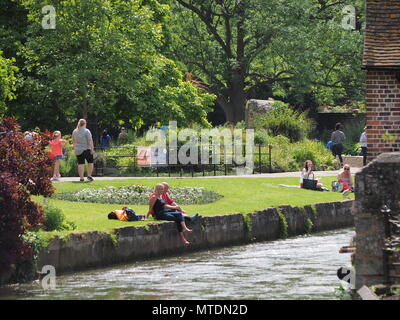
25,170
55,219
288,156
282,120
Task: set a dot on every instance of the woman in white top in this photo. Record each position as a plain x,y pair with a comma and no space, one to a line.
364,146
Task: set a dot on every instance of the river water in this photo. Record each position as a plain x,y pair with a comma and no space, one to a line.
297,268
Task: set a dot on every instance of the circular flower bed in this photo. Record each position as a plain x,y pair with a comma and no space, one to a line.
138,194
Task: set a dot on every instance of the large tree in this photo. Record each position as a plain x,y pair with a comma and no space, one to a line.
246,48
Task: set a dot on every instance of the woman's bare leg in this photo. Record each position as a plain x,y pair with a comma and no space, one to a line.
185,228
81,170
182,237
56,168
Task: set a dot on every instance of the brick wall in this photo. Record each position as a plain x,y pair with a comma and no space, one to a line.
383,111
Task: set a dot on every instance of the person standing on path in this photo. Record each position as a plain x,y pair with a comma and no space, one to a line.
56,145
337,139
364,146
84,149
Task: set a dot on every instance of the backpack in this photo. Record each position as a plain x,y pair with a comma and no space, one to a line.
132,216
126,214
337,186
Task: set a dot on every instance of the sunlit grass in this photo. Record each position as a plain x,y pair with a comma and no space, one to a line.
240,195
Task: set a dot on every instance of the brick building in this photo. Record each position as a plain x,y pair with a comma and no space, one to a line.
382,63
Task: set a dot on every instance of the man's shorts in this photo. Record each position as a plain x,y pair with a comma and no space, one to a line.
85,155
337,149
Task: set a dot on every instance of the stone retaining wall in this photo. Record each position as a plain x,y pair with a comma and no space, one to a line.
377,184
132,243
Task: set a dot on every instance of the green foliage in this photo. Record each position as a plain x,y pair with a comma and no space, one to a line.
114,238
69,165
294,50
287,156
248,224
55,219
309,225
283,120
102,62
35,242
343,293
388,138
7,81
283,225
352,130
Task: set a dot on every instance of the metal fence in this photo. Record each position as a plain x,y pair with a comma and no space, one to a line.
125,160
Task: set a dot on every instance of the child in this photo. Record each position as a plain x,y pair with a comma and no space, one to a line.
56,145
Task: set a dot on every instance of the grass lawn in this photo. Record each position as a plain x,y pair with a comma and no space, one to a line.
241,195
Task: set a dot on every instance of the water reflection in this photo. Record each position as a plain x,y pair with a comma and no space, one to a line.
298,268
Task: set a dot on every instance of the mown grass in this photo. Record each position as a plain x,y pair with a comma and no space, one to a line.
240,195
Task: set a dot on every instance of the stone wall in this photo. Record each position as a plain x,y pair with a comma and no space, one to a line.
377,184
383,111
97,249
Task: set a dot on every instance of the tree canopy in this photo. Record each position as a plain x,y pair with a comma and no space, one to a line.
102,62
255,49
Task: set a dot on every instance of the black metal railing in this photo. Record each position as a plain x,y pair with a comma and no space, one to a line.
112,157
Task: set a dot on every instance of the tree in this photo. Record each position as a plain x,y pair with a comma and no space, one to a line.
7,81
101,62
25,170
246,48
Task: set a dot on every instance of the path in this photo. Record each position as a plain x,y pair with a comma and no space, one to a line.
296,174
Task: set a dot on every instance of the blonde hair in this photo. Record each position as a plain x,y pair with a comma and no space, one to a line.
56,134
159,186
80,124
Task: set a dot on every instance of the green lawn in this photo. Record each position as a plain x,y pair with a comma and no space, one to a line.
241,195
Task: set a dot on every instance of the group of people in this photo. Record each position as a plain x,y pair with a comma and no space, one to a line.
344,177
83,145
162,207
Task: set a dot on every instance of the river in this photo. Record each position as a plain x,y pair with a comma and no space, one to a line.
303,267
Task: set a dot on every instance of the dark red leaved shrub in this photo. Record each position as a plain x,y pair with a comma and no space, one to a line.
25,170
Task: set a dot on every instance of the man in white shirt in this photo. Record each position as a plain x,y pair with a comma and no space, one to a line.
364,145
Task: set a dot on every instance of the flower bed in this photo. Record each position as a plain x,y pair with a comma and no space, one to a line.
138,194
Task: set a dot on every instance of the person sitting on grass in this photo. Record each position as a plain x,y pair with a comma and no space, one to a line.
164,211
308,174
345,178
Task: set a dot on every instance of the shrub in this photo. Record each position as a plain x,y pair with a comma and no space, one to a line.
55,219
283,120
287,156
69,165
25,170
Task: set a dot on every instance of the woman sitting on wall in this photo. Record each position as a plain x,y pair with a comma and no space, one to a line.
164,211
